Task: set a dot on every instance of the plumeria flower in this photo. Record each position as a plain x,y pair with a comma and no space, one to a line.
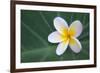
65,35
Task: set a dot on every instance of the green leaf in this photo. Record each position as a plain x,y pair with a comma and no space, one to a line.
35,28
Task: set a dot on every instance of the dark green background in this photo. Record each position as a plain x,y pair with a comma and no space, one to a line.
35,28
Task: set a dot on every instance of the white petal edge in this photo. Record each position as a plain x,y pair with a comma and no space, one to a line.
77,25
76,46
55,37
61,48
60,24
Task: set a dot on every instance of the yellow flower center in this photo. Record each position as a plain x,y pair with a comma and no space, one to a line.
68,34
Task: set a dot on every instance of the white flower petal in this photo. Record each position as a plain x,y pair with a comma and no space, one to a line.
55,37
76,28
62,47
75,45
60,25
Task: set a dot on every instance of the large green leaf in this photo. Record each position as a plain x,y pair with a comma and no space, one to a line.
35,28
